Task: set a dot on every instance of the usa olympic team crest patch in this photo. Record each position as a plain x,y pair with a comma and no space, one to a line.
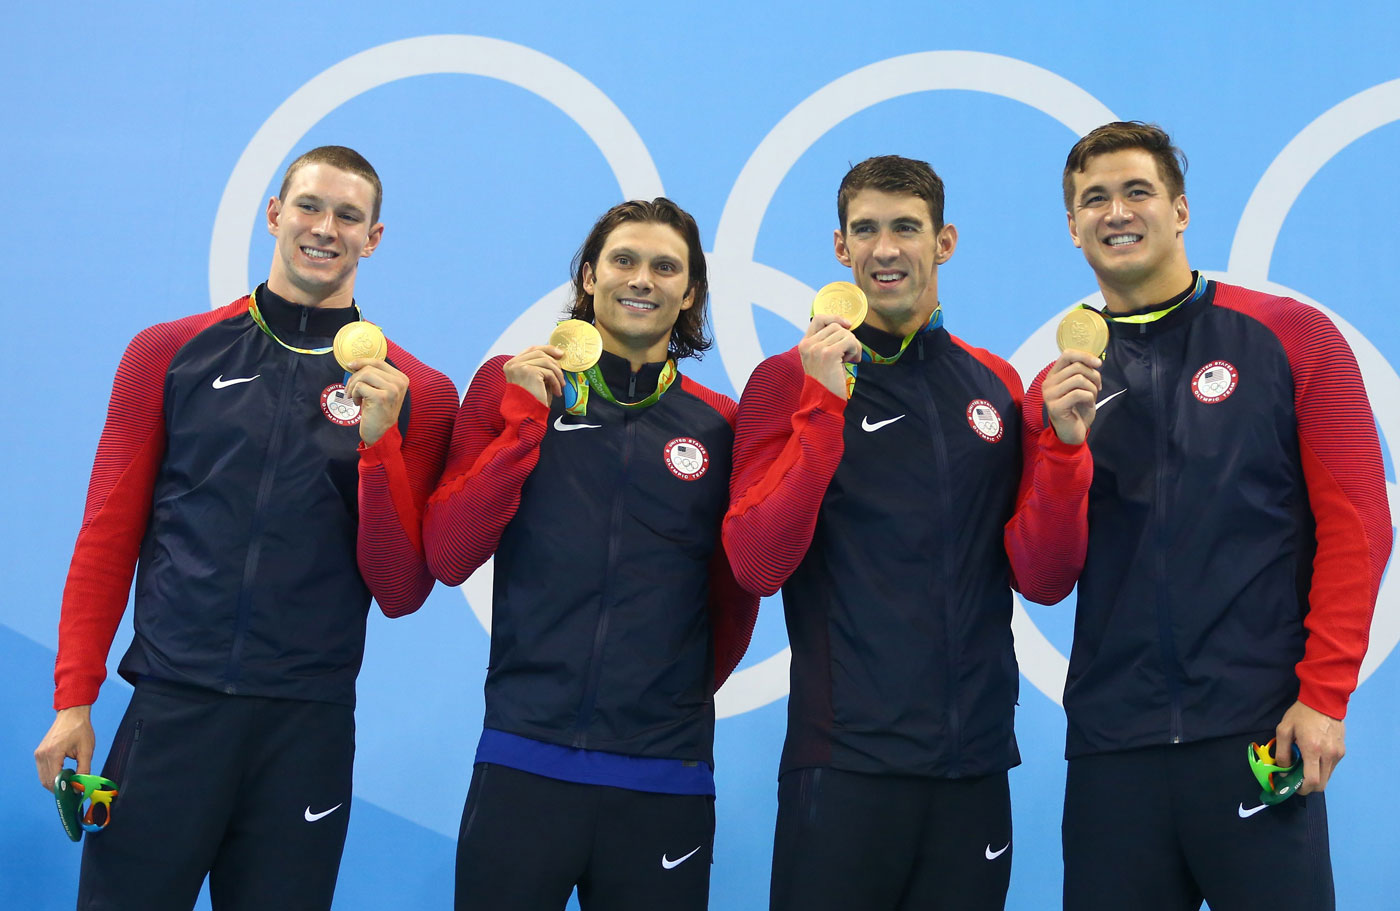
982,417
687,458
1215,382
338,407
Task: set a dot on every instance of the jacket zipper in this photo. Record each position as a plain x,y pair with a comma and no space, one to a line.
600,632
233,673
940,455
1167,645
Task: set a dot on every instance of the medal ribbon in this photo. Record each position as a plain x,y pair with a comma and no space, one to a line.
867,354
1137,319
258,318
576,386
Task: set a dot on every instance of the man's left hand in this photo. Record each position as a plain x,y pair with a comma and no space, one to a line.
1320,738
379,389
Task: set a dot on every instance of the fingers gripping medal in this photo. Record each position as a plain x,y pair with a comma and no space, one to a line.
357,340
841,299
580,342
1083,330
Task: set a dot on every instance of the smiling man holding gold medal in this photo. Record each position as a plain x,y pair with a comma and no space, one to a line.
597,475
250,454
875,465
1218,477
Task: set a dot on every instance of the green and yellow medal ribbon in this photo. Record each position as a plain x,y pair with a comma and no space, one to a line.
869,355
1137,319
258,318
577,385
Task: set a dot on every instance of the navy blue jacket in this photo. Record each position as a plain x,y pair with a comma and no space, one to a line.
234,463
609,580
881,518
1237,525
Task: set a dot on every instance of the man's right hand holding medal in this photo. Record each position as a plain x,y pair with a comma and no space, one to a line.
537,370
1071,388
826,348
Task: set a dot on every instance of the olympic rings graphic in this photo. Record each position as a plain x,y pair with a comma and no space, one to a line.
737,281
468,55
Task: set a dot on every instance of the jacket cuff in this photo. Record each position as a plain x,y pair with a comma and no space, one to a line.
384,448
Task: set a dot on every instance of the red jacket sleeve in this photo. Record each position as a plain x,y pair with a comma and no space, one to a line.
397,474
495,446
733,610
733,613
1345,478
124,471
1048,534
787,444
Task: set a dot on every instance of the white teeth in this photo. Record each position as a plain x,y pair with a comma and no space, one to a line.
639,305
887,276
1118,240
317,254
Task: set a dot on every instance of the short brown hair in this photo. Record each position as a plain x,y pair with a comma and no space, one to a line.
893,174
688,338
1127,134
344,159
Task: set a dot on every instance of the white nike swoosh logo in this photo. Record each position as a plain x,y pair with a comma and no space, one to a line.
220,383
993,855
1102,402
870,428
312,817
1245,814
560,425
667,863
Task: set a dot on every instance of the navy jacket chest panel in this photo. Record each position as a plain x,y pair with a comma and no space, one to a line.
253,526
1200,541
601,634
227,432
932,456
1158,432
615,477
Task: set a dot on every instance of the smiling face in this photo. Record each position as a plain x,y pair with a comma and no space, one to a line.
894,249
1130,227
323,229
639,287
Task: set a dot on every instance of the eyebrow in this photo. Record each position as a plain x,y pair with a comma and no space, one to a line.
1127,185
628,251
313,198
897,220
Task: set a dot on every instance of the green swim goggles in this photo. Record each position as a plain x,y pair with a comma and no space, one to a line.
1279,782
71,790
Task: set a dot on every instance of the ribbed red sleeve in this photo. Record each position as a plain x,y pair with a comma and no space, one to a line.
396,476
787,444
1048,534
118,507
733,611
1345,477
495,446
1003,370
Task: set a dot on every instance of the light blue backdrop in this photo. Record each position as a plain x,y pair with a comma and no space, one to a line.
140,143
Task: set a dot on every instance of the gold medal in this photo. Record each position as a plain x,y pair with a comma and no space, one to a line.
359,340
1083,330
580,342
841,299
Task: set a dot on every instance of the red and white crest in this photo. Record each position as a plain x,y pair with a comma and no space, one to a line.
982,417
687,458
338,407
1215,382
